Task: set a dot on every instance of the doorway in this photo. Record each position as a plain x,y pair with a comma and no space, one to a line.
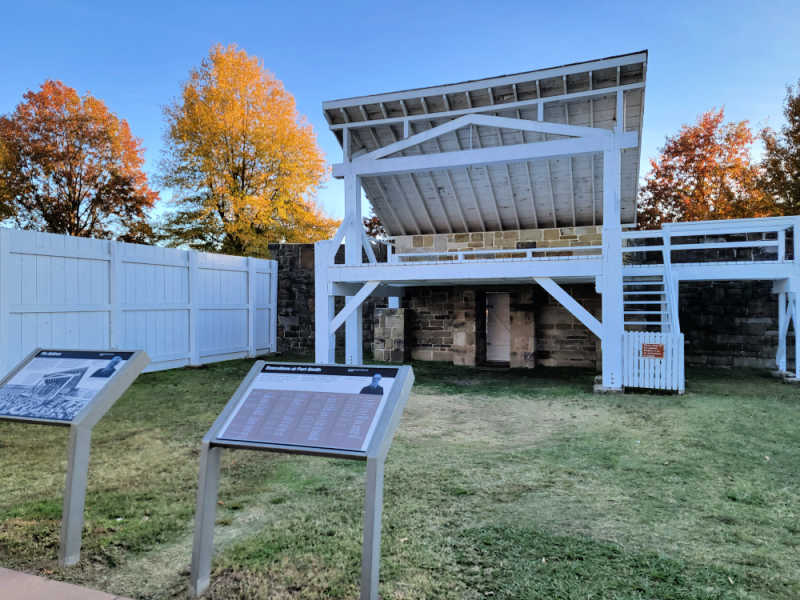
498,327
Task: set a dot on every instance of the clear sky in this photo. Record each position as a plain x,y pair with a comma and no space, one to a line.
134,55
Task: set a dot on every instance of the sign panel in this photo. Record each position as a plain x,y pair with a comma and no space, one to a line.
57,384
652,350
312,406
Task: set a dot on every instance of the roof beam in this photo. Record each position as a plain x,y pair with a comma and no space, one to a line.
528,172
477,139
552,193
487,121
510,184
385,198
399,187
528,76
569,158
490,108
482,156
422,202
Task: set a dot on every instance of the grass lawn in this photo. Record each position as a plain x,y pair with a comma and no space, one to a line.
500,484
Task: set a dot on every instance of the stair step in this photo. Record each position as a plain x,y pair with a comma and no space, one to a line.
644,312
644,302
654,323
633,293
642,283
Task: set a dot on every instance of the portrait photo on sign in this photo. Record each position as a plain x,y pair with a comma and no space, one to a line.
57,385
311,406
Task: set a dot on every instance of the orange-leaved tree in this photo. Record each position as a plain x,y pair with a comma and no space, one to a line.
69,165
704,172
243,163
782,157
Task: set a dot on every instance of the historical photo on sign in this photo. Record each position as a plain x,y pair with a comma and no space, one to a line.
57,385
333,407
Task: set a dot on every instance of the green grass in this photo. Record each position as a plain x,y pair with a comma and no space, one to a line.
500,484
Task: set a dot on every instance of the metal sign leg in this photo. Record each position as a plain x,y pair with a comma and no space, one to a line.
69,552
205,516
373,508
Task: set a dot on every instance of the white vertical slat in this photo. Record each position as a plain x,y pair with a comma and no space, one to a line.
115,297
194,307
653,373
251,307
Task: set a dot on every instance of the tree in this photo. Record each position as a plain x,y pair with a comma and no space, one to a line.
704,172
374,227
243,163
69,165
781,162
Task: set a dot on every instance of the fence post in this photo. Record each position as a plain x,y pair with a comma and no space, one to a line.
5,290
194,308
251,306
273,304
115,295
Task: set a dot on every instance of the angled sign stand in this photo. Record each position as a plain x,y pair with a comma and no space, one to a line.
71,388
339,411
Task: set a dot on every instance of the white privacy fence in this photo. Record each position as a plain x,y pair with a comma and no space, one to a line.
653,360
182,307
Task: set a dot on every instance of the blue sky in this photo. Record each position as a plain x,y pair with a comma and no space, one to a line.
134,55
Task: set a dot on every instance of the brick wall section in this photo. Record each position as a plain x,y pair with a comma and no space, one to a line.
392,341
562,340
563,237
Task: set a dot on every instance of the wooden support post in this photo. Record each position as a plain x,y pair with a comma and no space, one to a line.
324,342
611,287
353,246
780,357
251,307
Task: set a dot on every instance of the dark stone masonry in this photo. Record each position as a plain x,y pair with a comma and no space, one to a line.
725,324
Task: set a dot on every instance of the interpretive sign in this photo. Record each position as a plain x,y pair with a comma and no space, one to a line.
326,410
652,351
56,385
72,388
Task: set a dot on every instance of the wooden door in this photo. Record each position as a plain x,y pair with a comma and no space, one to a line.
498,327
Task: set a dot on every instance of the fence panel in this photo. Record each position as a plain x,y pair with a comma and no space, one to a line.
653,360
183,307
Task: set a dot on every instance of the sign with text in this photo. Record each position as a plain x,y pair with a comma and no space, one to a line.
56,385
652,351
310,406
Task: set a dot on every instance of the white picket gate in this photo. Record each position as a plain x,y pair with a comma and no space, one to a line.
653,360
183,307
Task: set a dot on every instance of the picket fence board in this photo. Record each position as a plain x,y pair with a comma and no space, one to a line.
665,373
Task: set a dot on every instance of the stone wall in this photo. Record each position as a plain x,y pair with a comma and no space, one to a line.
296,301
730,324
562,340
392,340
563,237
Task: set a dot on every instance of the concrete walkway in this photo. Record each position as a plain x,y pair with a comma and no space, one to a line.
21,586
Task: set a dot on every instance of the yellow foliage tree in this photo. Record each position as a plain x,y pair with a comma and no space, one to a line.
243,164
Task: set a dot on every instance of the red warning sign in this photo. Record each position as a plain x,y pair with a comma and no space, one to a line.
652,350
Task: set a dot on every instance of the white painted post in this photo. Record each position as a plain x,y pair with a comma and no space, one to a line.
205,516
613,317
796,321
352,253
5,290
324,342
780,357
796,241
115,276
194,307
251,307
